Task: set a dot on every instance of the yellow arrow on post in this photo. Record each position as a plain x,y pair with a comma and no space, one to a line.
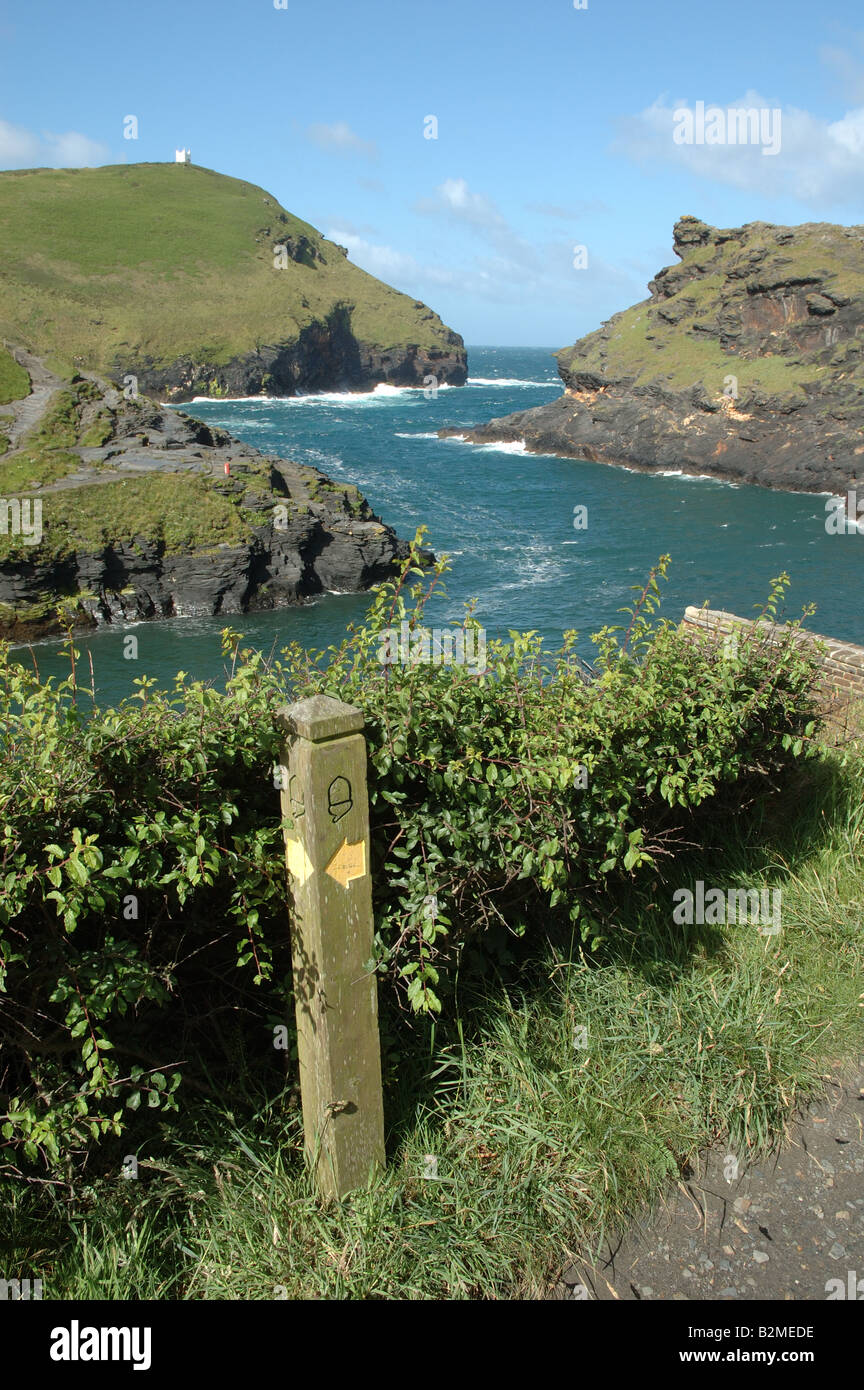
299,863
349,862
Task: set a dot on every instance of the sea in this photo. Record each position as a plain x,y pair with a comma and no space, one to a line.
541,543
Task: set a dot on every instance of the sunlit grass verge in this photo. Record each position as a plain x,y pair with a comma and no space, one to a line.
539,1146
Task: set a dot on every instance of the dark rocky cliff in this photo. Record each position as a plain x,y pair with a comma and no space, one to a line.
145,523
746,363
325,356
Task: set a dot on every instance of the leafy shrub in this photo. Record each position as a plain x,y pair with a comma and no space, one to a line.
514,797
143,917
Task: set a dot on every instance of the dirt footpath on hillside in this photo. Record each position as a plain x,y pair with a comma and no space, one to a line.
781,1229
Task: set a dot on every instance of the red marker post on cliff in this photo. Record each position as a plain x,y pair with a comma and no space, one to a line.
227,469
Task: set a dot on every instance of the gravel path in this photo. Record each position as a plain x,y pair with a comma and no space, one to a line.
780,1230
27,413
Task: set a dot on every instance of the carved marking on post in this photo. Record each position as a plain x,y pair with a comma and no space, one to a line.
339,798
332,941
348,863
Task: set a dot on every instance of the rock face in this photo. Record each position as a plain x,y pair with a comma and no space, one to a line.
295,534
326,356
746,363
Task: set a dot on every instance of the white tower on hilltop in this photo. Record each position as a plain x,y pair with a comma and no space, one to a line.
182,156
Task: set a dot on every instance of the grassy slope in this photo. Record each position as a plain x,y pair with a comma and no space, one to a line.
165,260
184,510
14,381
640,344
44,455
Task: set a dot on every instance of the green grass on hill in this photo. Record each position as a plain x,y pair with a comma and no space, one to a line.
641,344
14,381
44,455
31,471
678,358
184,511
102,266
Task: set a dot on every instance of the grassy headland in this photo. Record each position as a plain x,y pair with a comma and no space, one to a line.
149,265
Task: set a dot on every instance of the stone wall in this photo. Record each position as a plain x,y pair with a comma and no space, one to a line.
842,664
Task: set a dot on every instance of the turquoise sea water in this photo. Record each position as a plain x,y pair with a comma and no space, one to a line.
506,518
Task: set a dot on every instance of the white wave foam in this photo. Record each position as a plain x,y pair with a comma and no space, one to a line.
401,434
545,570
507,446
320,458
691,477
508,381
383,391
227,400
674,473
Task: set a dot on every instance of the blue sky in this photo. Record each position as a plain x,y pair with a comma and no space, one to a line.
554,128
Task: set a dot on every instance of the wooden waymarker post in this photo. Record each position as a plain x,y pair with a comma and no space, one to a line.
323,792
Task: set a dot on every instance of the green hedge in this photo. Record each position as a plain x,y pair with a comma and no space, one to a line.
143,919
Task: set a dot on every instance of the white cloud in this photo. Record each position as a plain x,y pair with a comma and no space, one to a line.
819,161
18,148
519,269
397,268
75,151
339,138
546,272
454,199
457,203
23,149
848,133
